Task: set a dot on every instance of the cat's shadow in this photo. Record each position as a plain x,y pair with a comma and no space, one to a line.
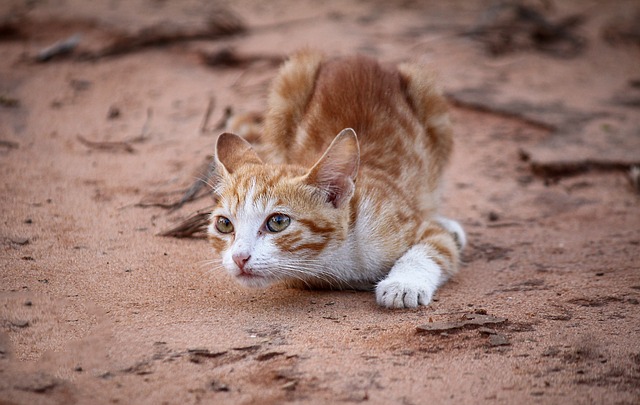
291,300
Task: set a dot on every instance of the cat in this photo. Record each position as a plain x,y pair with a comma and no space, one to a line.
347,193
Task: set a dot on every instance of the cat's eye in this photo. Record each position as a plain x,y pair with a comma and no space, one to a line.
278,223
224,225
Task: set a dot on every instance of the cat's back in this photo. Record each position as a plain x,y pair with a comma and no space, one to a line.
389,108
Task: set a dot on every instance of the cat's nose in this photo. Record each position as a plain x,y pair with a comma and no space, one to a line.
241,259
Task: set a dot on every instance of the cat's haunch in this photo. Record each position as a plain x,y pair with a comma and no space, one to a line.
356,210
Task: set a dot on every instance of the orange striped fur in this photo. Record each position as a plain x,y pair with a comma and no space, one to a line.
346,193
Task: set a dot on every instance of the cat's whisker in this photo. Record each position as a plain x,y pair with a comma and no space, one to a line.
314,271
213,264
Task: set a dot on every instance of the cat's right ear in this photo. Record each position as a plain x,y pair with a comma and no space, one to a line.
233,151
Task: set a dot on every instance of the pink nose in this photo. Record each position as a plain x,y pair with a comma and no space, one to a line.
241,259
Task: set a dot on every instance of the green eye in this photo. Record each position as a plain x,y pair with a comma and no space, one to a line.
223,225
278,223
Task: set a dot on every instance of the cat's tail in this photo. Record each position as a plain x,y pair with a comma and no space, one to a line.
431,109
288,99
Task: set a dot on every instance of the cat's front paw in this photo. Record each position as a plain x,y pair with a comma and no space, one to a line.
402,294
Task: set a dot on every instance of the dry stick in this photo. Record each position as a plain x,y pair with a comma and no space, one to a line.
195,188
556,169
482,107
9,144
222,23
124,146
167,206
118,146
145,127
634,178
193,227
222,122
59,48
228,57
204,128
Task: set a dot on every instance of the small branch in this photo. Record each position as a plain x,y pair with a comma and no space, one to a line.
193,227
221,23
64,47
197,185
634,178
222,122
204,128
568,168
118,146
231,59
144,132
499,110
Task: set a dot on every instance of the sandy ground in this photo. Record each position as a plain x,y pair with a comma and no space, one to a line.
96,308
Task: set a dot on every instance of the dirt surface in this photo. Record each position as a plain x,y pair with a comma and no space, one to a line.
99,131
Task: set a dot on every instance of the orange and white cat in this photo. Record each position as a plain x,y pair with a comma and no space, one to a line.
356,210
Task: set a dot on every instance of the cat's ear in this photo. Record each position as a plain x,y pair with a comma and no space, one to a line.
335,172
232,152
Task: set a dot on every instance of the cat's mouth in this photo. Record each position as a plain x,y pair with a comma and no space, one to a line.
252,280
248,274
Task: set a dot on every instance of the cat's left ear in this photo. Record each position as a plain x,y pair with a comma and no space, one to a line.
233,151
335,172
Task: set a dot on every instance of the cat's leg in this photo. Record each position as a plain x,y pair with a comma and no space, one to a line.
416,276
455,229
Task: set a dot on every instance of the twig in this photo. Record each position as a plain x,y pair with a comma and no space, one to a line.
230,58
222,122
193,227
221,23
197,185
204,128
9,144
59,48
634,178
117,146
121,146
145,127
9,102
559,168
502,111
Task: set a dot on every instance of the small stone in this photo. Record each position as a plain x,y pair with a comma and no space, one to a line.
114,112
20,241
20,323
218,387
38,383
289,386
498,340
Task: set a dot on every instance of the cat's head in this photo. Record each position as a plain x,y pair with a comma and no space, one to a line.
281,222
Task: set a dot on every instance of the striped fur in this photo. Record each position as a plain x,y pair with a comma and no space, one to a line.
363,204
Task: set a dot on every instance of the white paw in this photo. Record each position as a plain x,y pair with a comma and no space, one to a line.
412,281
396,293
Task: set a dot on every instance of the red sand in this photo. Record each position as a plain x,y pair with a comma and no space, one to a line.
96,308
